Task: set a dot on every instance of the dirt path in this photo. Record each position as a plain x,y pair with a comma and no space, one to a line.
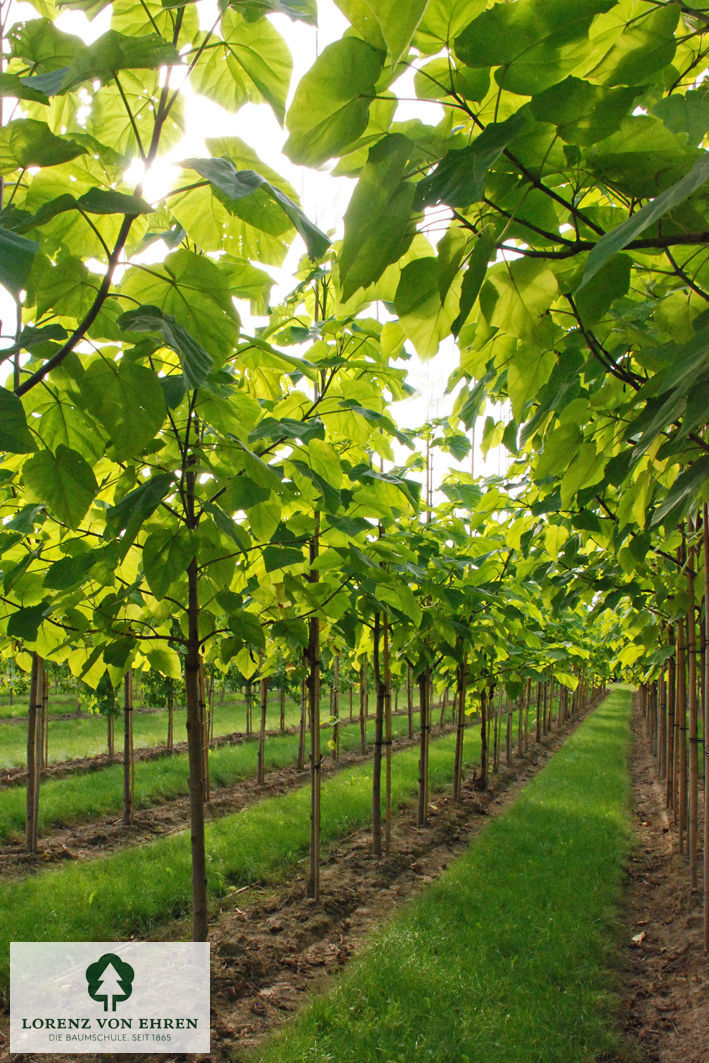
667,971
106,834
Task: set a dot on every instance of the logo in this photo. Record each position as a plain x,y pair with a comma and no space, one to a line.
110,979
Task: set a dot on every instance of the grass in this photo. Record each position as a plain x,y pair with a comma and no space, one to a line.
62,801
134,891
85,736
508,956
57,704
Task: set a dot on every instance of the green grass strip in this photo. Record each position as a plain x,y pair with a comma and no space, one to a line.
507,956
131,892
100,793
85,736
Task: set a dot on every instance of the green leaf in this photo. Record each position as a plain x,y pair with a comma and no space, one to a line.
688,492
298,10
423,316
126,517
196,363
610,282
64,481
166,555
529,41
27,142
236,186
113,52
15,436
474,277
459,179
21,89
378,224
16,258
620,237
107,201
127,400
166,661
252,63
24,623
516,297
583,113
330,108
396,22
247,627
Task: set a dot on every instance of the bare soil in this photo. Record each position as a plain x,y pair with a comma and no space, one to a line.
666,1006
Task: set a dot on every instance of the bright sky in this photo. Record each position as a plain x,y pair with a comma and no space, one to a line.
323,196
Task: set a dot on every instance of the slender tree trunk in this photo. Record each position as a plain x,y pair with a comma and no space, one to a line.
204,723
460,733
693,724
110,735
483,740
425,716
32,793
248,696
508,738
527,702
195,752
263,701
539,713
128,763
387,741
671,724
705,543
363,705
335,708
496,732
681,711
378,740
662,727
410,699
444,708
300,763
282,710
351,693
313,887
170,717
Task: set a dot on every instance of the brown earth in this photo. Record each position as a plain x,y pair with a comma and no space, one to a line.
666,1005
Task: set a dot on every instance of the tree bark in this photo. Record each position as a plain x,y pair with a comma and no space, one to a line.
693,724
483,740
363,705
195,753
282,710
128,762
32,793
263,702
387,742
378,740
170,717
300,763
705,543
460,733
410,699
313,887
335,708
425,718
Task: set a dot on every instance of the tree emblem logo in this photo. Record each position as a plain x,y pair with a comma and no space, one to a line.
110,979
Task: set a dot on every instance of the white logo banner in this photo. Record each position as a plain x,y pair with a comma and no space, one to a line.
103,996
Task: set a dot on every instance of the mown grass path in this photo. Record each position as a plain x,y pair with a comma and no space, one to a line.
509,955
